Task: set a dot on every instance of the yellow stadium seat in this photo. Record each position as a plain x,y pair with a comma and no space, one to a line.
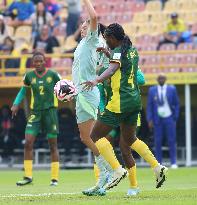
141,17
23,32
153,6
145,29
130,28
158,28
10,30
61,39
158,17
171,6
70,43
190,17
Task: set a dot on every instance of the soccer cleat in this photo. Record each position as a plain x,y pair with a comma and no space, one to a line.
174,166
94,191
133,191
25,181
116,177
54,182
161,175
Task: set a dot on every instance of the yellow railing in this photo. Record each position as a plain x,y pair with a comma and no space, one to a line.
160,65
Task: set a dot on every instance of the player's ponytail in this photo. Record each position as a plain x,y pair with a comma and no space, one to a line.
101,29
126,44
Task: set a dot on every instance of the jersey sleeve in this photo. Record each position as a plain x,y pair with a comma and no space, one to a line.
57,77
140,77
92,38
26,80
116,56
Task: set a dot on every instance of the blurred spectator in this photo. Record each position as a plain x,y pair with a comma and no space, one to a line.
3,29
2,6
20,11
45,42
74,12
162,114
24,61
40,18
51,6
36,1
8,49
174,31
7,139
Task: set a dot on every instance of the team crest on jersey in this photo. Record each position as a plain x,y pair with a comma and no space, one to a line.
54,127
132,54
33,81
49,80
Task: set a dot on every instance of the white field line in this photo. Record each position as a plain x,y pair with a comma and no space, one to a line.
71,193
38,195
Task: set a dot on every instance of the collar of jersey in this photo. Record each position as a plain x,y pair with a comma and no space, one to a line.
40,76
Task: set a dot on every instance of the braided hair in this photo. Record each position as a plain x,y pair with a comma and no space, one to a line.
38,53
101,29
117,32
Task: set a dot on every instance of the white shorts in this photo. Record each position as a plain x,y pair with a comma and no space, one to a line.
87,105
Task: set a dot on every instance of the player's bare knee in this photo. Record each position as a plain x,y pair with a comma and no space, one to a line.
28,145
84,139
53,147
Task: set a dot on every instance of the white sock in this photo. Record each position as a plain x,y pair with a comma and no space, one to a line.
100,161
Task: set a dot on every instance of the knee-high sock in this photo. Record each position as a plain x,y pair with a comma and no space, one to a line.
96,172
106,150
55,170
132,177
28,168
143,150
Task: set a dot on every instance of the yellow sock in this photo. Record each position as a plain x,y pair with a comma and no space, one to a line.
55,170
132,177
28,168
142,149
96,172
106,150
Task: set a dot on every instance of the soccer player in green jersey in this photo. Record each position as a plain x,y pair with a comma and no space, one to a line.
104,88
43,116
123,105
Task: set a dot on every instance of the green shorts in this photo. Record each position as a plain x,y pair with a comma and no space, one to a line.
114,119
43,120
114,133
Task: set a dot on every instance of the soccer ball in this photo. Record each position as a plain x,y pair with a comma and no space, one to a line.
65,90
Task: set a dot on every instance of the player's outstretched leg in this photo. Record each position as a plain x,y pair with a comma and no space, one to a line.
160,171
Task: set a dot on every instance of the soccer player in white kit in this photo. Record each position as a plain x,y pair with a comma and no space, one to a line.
87,102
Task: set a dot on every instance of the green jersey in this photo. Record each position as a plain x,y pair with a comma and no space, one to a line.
125,93
42,94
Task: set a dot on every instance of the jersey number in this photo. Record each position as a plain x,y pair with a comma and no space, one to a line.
41,88
32,117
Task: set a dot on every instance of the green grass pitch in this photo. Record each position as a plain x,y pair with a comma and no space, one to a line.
180,188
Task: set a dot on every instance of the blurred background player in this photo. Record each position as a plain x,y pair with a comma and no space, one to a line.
43,115
124,103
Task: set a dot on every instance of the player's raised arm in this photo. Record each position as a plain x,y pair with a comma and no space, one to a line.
92,15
